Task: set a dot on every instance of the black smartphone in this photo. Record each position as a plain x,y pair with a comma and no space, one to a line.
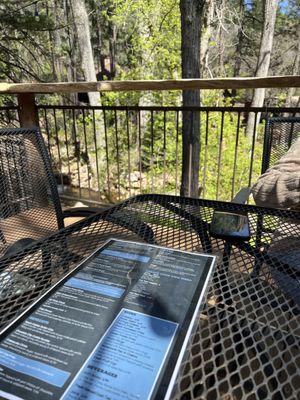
228,225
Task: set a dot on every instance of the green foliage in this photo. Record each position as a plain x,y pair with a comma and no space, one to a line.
142,38
226,157
25,30
32,22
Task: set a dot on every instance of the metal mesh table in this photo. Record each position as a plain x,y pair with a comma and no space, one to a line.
247,344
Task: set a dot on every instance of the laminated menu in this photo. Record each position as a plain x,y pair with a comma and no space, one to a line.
116,327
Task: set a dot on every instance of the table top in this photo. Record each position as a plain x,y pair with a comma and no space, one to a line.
247,343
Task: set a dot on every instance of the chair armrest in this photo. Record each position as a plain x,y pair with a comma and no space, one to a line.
81,212
242,196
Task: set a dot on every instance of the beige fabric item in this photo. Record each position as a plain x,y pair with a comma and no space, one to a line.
279,186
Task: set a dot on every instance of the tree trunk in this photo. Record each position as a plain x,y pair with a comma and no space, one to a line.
220,38
270,8
57,42
296,68
81,22
51,49
99,38
71,60
206,36
191,12
240,39
112,31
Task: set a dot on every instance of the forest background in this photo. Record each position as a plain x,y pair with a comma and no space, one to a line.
77,40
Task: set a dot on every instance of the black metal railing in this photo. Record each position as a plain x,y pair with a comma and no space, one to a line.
9,116
105,154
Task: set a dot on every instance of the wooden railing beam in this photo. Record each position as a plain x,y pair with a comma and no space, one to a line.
180,84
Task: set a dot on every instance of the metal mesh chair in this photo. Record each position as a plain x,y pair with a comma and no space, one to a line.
30,207
280,134
29,203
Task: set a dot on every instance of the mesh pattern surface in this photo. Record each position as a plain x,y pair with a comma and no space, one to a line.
27,208
247,342
281,133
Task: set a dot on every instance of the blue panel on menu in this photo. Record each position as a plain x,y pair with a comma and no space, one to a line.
126,363
95,287
127,256
37,369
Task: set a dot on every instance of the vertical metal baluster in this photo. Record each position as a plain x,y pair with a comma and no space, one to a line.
235,155
164,155
106,153
176,152
118,154
252,149
76,149
152,152
3,212
17,115
96,154
58,149
140,147
86,152
280,137
15,174
190,155
205,154
23,181
200,155
66,142
290,137
128,151
220,156
48,135
7,112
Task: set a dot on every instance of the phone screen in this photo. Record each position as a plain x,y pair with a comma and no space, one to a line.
230,225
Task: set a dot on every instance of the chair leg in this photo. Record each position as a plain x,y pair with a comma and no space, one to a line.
258,244
2,237
226,256
256,269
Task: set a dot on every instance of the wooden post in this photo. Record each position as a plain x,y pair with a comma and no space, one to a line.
28,112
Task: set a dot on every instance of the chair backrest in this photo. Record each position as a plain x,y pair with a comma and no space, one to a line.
280,134
29,201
